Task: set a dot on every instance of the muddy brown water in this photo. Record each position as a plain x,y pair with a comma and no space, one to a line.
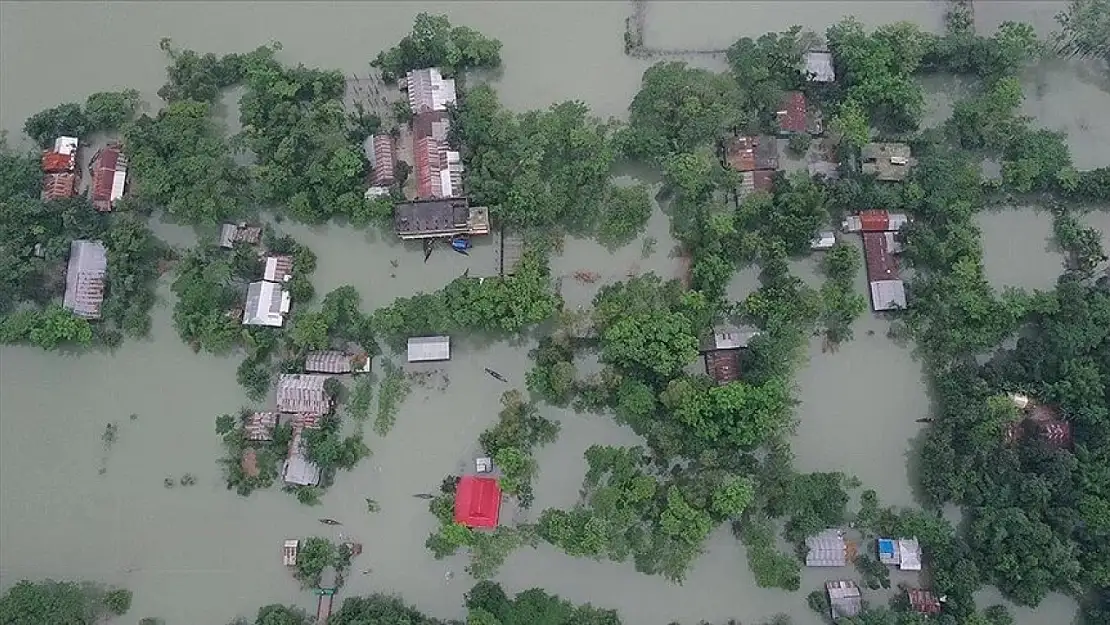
201,554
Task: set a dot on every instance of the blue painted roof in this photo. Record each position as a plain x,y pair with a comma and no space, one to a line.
886,546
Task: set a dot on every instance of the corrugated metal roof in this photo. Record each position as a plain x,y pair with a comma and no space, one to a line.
909,554
302,394
264,305
827,549
429,348
58,186
888,295
751,153
298,470
792,113
85,276
845,599
477,501
260,426
824,240
67,145
109,177
428,90
279,268
923,601
819,66
56,162
227,235
330,361
383,160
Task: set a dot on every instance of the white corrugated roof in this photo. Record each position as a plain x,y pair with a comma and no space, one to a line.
66,145
888,294
119,179
264,305
429,348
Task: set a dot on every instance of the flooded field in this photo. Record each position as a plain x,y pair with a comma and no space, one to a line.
201,554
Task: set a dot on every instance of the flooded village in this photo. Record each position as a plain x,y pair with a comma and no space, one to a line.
300,498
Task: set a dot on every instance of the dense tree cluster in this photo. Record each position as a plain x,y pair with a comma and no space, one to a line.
182,162
542,168
499,307
435,42
51,602
519,430
103,112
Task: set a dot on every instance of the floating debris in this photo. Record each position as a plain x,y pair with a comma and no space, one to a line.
330,522
168,482
424,496
372,506
588,277
496,375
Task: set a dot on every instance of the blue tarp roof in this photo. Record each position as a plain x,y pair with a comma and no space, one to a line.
886,546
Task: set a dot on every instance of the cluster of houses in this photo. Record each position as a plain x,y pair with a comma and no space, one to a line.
879,230
87,269
830,549
302,402
62,173
437,205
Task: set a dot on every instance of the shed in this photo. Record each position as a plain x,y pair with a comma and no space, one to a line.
302,394
429,348
267,303
298,470
259,426
819,66
383,159
792,114
330,361
887,161
85,276
289,552
751,153
845,599
438,218
59,186
227,235
825,240
923,601
230,234
109,177
428,90
477,501
279,268
827,549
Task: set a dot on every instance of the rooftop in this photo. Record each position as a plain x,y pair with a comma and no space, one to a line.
424,219
297,469
266,304
905,553
85,274
429,348
428,90
730,337
109,177
383,159
827,549
923,601
259,426
750,153
433,124
477,501
819,66
230,234
59,186
723,365
302,394
845,599
875,221
792,113
279,268
330,361
887,289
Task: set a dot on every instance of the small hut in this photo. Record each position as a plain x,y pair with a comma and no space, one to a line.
429,348
289,552
845,598
923,601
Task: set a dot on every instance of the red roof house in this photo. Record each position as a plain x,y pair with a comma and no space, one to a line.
58,185
887,289
792,113
752,153
109,177
477,501
57,162
384,161
923,601
875,221
1048,423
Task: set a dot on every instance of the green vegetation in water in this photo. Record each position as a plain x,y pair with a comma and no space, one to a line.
435,42
359,403
50,602
648,247
394,389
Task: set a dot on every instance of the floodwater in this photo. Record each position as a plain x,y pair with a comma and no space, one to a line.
201,554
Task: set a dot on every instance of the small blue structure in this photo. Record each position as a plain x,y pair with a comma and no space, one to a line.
888,551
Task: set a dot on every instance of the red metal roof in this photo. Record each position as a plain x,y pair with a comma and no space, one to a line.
56,162
426,152
723,365
792,115
879,258
58,186
740,153
104,166
923,601
383,161
477,501
875,220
